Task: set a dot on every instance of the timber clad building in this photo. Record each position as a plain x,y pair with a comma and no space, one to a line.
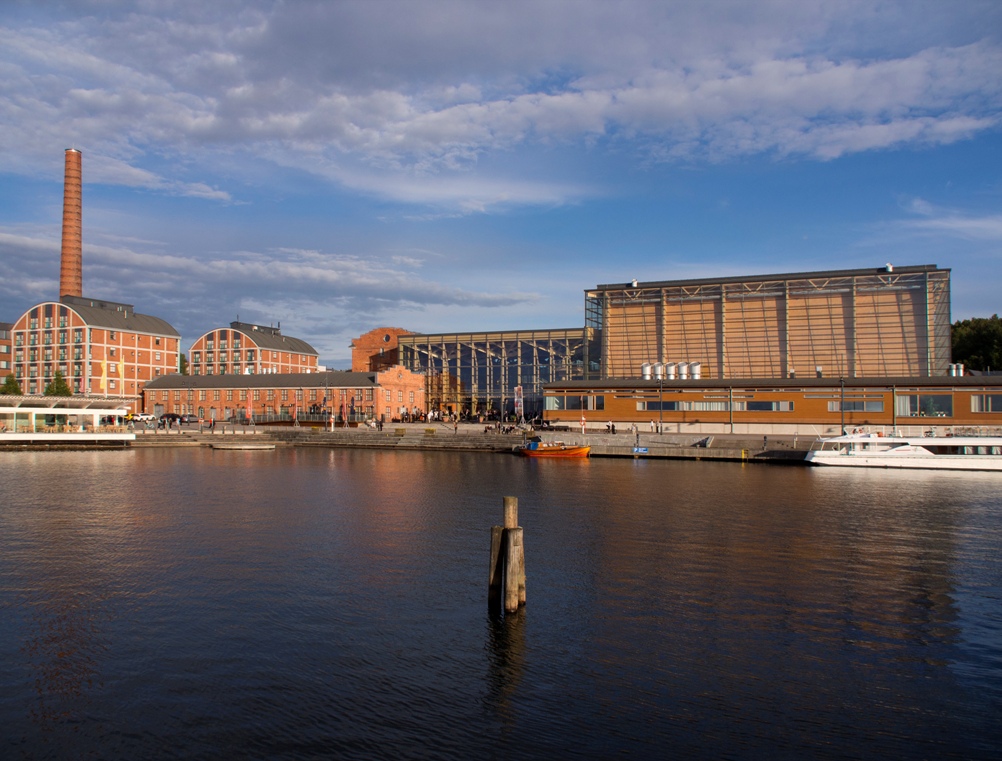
816,406
892,321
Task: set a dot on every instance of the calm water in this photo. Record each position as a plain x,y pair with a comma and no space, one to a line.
314,604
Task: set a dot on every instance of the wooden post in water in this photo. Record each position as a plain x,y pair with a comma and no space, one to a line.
507,568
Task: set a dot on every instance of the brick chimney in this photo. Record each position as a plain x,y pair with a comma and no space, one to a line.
71,261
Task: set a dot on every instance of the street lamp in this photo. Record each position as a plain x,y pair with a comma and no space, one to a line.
841,403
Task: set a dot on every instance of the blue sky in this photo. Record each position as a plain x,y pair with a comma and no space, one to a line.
438,166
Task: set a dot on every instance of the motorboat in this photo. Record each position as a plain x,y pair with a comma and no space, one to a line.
874,450
537,448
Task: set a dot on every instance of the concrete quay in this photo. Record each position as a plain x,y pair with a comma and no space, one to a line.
472,437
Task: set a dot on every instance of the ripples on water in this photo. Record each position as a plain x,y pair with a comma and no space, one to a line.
313,603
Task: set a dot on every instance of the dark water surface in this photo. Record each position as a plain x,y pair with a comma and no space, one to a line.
332,604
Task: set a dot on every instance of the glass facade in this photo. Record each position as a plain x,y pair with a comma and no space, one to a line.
485,373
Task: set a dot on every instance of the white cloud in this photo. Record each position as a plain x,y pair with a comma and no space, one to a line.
953,223
403,99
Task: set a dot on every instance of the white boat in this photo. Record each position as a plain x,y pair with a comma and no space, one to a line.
871,450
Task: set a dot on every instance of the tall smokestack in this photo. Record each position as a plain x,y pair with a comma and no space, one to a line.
71,262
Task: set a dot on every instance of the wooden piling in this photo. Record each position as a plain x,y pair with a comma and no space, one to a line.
496,576
511,512
513,578
506,582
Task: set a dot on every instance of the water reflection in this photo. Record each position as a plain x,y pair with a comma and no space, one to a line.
506,663
316,602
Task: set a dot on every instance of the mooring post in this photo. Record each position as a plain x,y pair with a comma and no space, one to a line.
495,582
511,512
513,579
507,567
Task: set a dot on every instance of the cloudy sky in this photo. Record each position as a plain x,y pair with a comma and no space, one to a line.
339,166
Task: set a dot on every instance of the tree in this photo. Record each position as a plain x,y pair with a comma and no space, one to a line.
183,365
977,343
58,387
11,386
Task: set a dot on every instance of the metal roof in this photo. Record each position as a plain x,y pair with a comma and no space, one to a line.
326,379
270,338
106,314
12,402
885,270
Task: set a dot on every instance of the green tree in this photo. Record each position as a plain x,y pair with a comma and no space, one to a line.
58,387
183,366
11,386
977,342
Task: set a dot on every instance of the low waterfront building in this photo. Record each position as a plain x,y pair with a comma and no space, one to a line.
811,406
21,415
100,347
248,349
392,394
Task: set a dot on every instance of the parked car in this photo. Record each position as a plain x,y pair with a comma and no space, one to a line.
143,417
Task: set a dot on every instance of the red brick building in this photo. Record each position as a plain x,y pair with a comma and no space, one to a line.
6,349
247,349
386,395
377,349
99,347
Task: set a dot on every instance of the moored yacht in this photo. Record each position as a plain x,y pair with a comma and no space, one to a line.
871,450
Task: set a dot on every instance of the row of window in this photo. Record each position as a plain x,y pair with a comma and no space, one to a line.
365,394
906,405
61,337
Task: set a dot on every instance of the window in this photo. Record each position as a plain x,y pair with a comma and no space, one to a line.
257,395
856,406
156,356
410,397
243,395
924,405
229,394
112,335
780,406
285,394
400,396
986,403
111,352
215,395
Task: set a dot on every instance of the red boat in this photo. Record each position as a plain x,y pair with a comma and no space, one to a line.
538,448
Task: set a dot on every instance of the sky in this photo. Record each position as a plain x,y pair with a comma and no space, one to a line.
334,167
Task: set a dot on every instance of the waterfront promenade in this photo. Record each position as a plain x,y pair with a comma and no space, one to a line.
472,437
